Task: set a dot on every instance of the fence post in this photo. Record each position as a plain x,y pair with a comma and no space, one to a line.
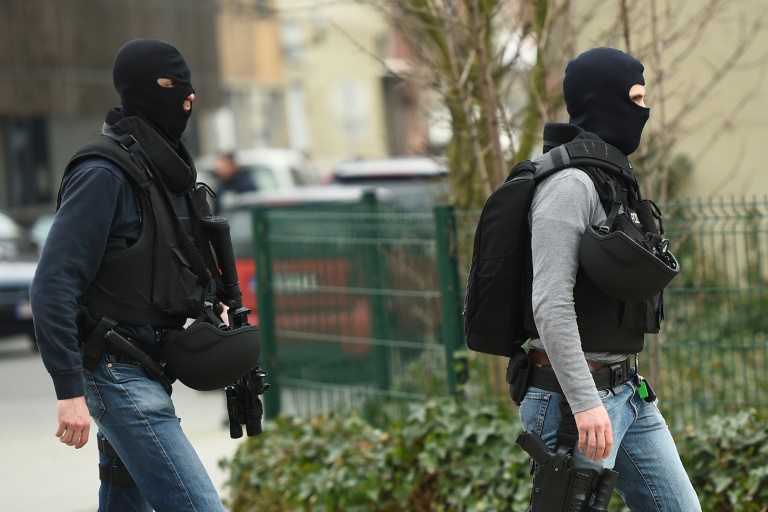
450,303
265,301
375,283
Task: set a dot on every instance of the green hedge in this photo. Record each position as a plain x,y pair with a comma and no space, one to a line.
727,460
455,455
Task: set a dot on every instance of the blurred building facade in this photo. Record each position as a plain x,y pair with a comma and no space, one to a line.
311,75
251,74
343,97
56,80
314,76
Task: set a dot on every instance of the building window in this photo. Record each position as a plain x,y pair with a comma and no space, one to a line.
28,173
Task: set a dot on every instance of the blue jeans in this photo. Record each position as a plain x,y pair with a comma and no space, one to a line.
651,476
133,409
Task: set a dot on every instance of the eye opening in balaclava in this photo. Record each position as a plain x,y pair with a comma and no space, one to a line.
137,67
596,92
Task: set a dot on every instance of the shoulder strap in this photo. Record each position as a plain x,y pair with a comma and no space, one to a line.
582,153
585,152
521,169
608,168
116,151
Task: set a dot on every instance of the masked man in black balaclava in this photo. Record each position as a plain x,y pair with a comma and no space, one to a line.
153,81
116,261
582,333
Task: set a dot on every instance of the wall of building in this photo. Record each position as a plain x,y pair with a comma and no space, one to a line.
334,79
725,127
56,79
250,113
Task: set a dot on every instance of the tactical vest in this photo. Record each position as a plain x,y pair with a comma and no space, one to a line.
152,281
498,311
606,324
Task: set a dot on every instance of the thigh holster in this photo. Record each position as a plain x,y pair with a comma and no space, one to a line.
558,486
117,473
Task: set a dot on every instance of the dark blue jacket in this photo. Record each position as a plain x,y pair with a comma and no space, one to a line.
97,204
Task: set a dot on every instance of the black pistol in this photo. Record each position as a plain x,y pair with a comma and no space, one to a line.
558,486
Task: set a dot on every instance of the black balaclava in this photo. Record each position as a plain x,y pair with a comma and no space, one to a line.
138,65
596,91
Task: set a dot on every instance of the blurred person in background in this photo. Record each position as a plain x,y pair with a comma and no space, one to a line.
232,180
118,249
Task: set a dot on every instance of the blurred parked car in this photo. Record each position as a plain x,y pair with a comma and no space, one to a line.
39,230
13,239
17,268
416,183
268,168
313,198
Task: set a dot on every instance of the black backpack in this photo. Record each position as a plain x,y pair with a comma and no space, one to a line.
497,306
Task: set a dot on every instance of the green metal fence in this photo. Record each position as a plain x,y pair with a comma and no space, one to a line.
360,307
349,308
712,355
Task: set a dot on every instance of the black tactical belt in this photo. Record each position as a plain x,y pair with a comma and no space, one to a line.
610,377
124,358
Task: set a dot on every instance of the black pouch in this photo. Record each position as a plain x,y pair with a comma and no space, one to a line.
644,316
517,375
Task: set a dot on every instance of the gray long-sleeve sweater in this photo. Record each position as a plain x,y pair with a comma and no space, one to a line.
563,206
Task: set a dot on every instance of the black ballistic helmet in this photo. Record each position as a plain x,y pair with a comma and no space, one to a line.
623,268
206,358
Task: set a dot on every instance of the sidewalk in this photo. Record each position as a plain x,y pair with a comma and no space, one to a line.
39,474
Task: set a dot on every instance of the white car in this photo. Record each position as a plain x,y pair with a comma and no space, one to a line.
17,268
269,168
12,237
38,232
416,183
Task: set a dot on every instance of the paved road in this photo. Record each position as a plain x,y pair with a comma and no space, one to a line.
39,474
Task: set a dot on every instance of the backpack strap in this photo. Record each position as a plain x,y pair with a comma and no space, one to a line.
582,152
608,168
104,147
